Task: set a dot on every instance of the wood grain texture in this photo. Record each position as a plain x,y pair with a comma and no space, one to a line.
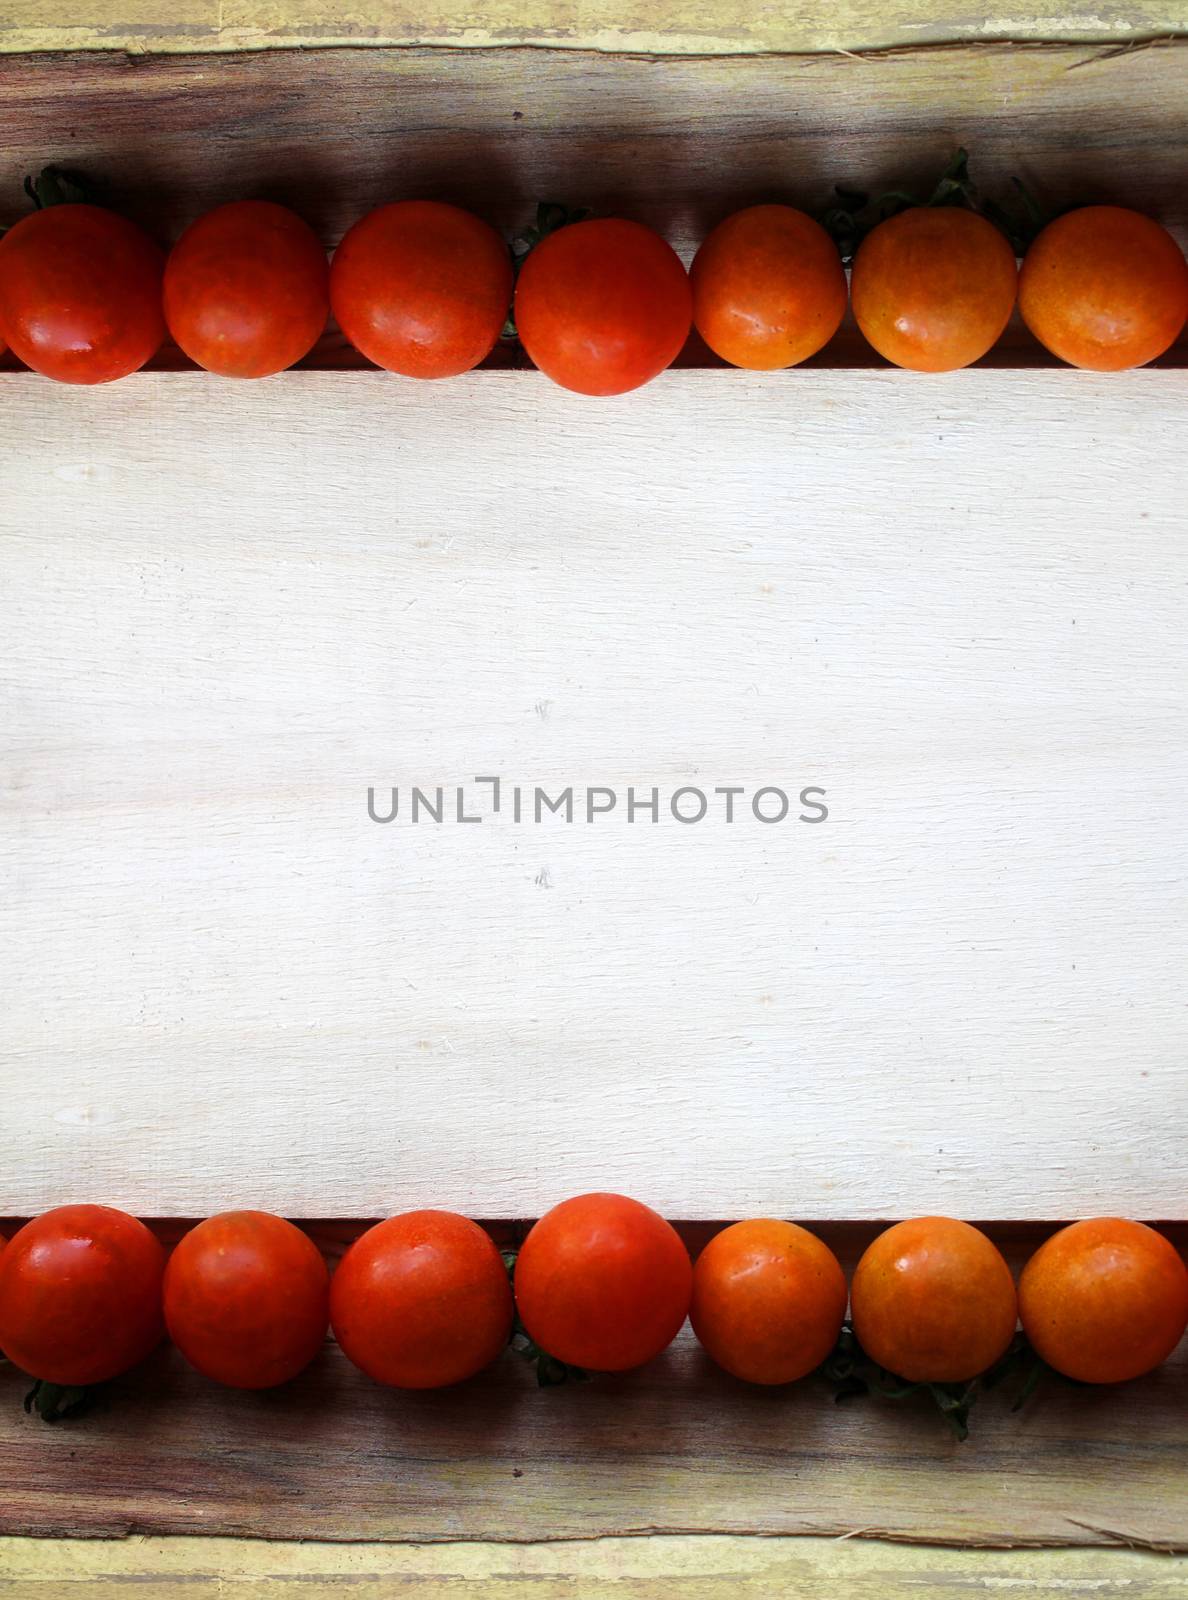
667,27
708,1567
959,606
677,1447
677,142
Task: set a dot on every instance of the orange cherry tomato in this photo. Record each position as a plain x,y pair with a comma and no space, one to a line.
247,289
933,1301
769,289
422,288
422,1300
80,1295
603,1282
80,294
768,1300
603,306
934,287
1105,1300
247,1299
1105,288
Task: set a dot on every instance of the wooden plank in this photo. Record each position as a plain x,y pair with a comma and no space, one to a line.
677,142
674,27
675,1448
658,1568
959,606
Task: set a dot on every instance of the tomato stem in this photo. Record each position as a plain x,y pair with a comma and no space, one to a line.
53,1401
854,214
851,1372
55,186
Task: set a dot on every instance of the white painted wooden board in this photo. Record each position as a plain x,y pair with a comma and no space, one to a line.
959,605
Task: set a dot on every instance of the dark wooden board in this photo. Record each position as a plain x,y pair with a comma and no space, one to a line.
676,1447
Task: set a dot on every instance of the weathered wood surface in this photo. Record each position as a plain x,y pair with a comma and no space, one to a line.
678,142
657,26
676,1447
959,606
663,1567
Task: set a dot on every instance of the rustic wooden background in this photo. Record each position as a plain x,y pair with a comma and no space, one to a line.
1099,94
670,27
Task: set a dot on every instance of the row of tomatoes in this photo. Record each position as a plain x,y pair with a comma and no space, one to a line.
601,306
601,1282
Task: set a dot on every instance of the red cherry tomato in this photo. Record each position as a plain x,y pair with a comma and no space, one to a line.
422,1300
1104,1300
422,288
80,1295
603,306
603,1282
80,294
933,288
769,289
247,1299
1105,288
247,290
768,1300
933,1301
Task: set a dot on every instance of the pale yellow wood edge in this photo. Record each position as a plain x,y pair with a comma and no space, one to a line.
668,27
658,1568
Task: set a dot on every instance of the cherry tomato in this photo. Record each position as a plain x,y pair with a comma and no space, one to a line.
1105,1300
1105,288
933,1301
80,1295
768,1300
422,288
603,306
769,289
80,294
422,1300
603,1282
246,290
934,287
247,1299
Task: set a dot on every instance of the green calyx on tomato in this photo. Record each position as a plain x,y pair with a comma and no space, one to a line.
855,213
53,1401
56,186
